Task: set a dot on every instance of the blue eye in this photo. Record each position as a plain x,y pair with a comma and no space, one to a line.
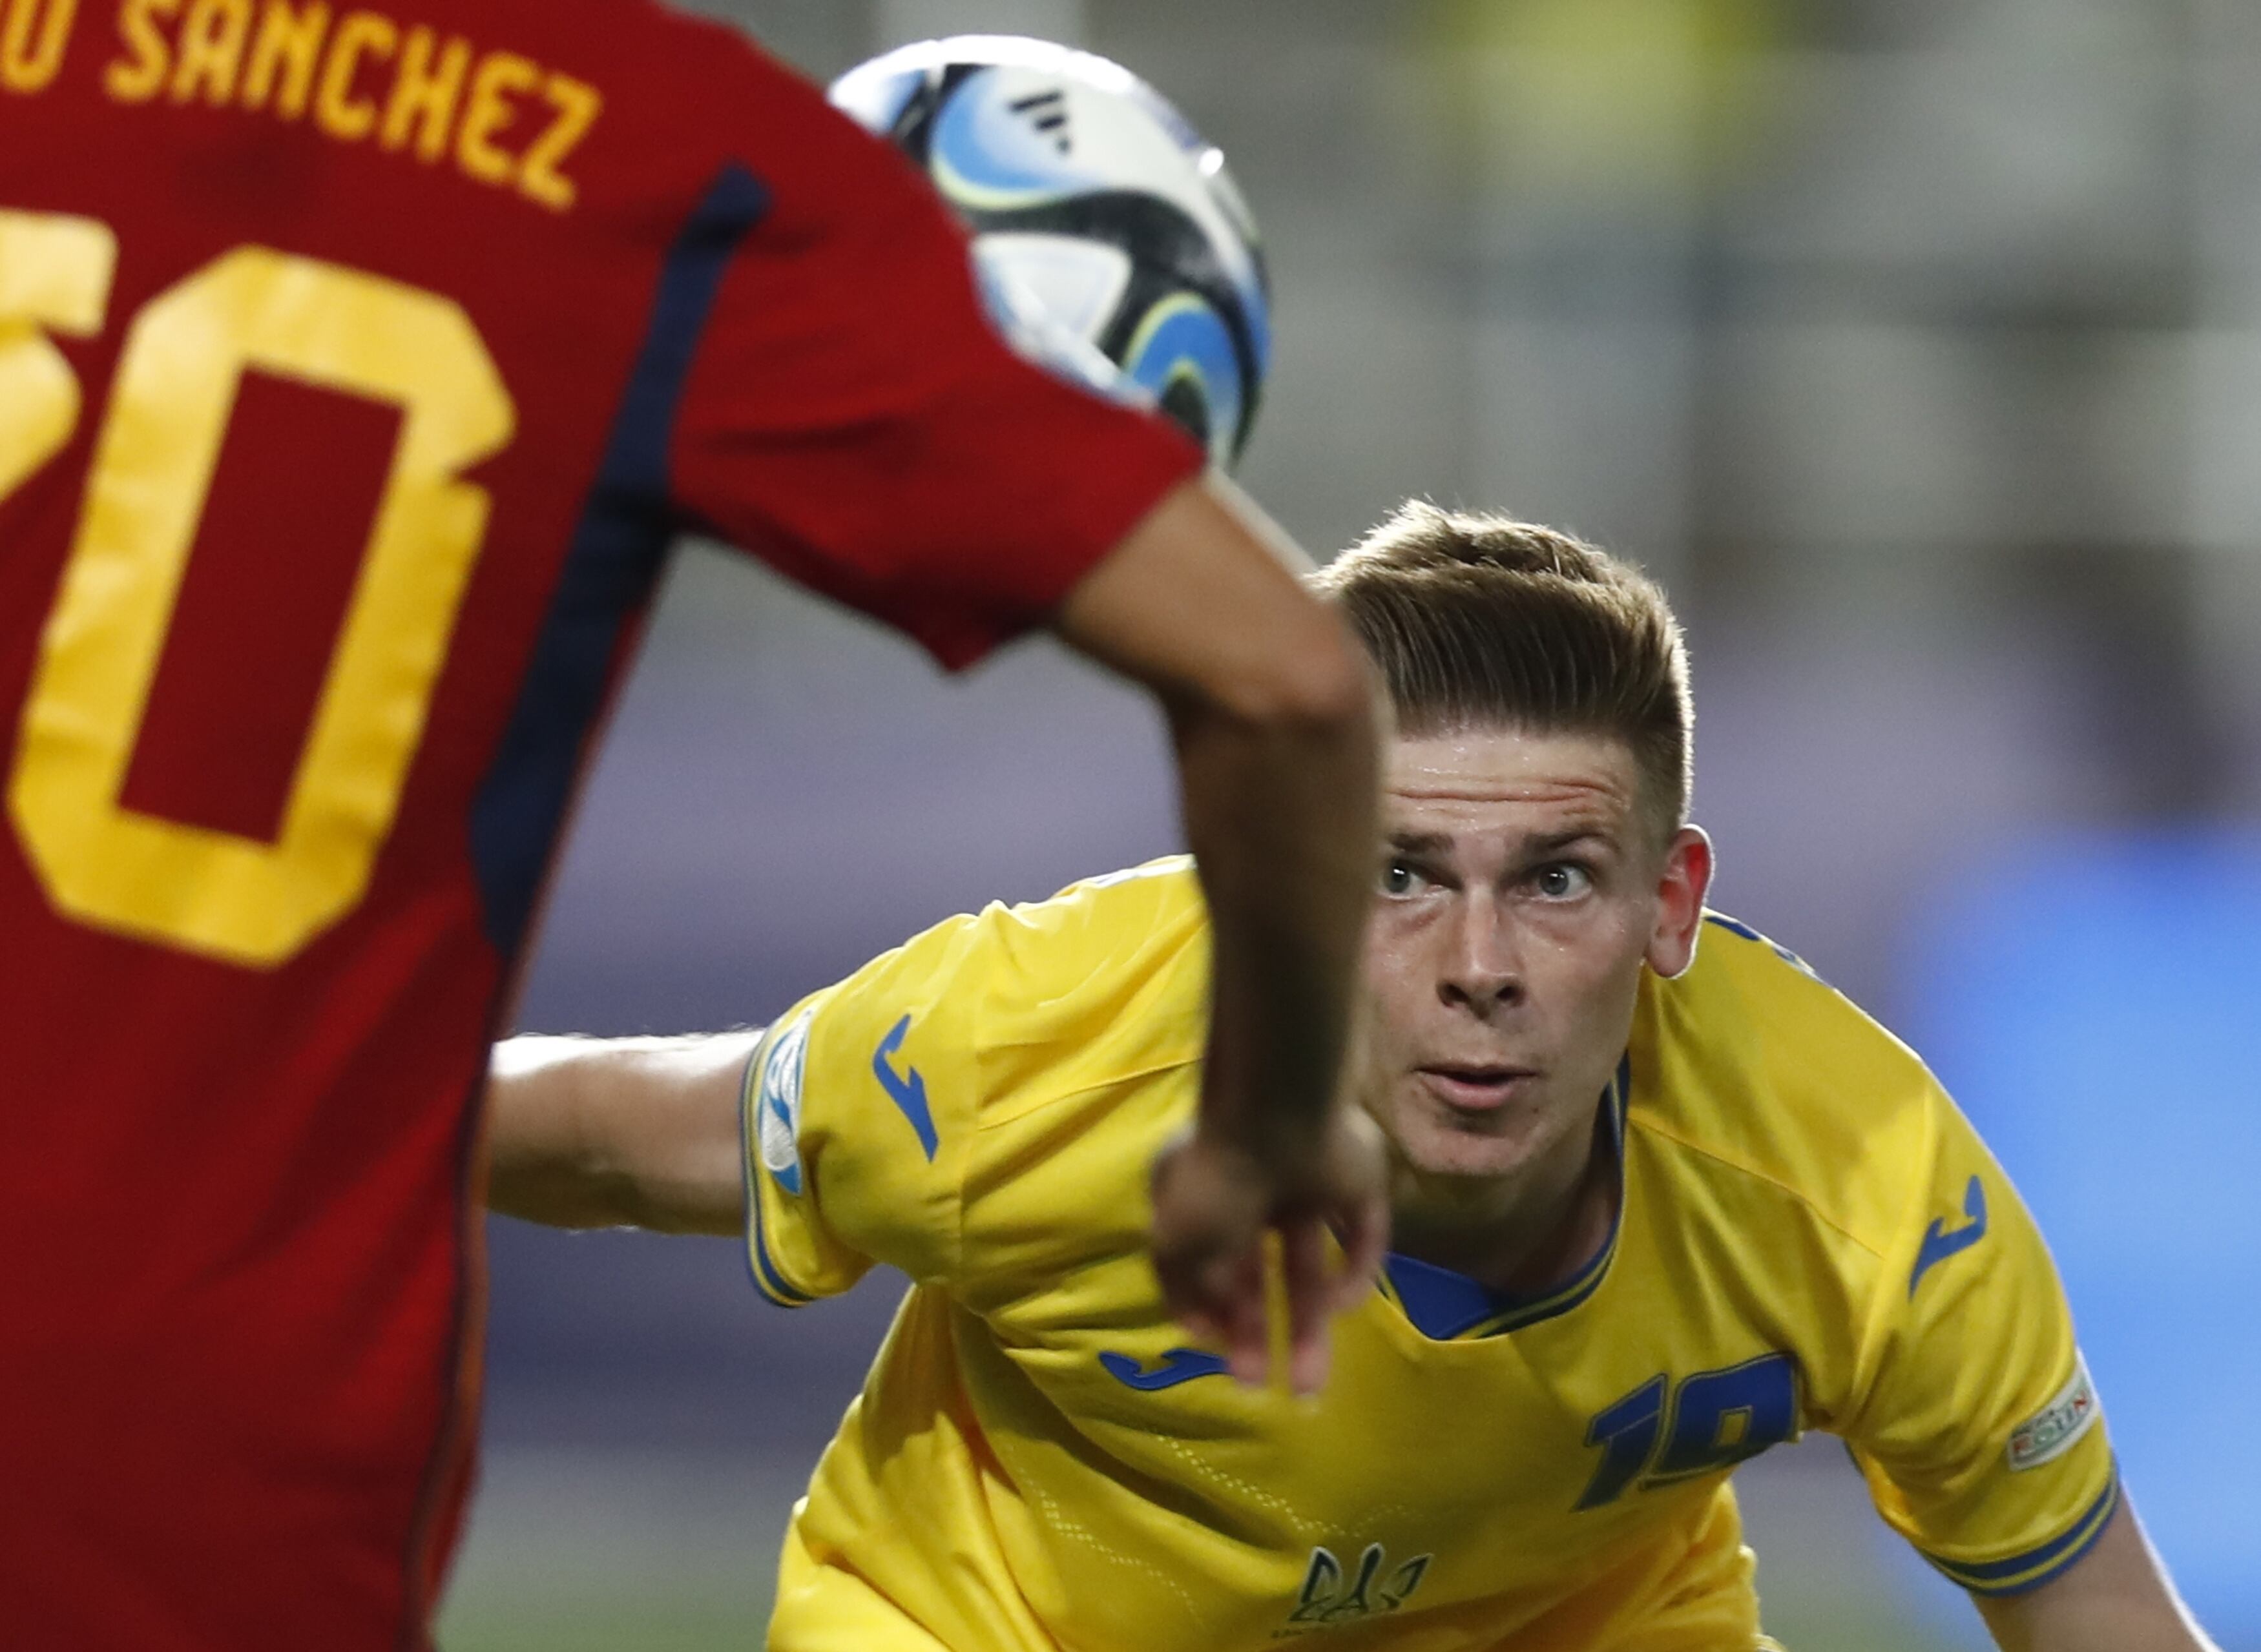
1398,879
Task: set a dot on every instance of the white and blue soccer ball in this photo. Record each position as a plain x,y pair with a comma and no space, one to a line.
1094,205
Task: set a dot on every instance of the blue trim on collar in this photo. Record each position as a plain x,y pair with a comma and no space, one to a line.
1446,1306
1441,1303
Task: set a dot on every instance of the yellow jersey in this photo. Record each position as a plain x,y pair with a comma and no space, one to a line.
1810,1236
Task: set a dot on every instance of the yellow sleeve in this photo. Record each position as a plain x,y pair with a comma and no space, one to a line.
876,1111
856,1117
1979,1431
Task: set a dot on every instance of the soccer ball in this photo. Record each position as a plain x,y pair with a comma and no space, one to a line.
1094,203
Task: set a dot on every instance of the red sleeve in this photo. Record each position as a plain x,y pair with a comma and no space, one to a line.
854,417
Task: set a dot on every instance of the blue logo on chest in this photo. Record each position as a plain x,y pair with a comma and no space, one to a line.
1179,1365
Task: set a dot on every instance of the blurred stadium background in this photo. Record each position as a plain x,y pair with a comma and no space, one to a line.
1916,344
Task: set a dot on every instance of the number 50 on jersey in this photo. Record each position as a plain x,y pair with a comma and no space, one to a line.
243,900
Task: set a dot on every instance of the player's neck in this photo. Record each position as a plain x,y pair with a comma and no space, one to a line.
1521,1233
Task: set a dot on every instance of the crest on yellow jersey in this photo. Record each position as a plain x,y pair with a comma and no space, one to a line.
1329,1597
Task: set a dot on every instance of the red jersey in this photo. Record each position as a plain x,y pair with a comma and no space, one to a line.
356,366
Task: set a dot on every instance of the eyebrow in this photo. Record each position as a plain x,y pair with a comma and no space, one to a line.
1546,843
1555,842
1420,842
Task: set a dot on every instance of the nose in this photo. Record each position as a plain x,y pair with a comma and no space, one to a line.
1483,967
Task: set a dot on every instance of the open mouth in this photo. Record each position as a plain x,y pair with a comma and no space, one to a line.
1474,1089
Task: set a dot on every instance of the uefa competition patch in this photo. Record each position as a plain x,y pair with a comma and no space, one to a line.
778,1104
2059,1425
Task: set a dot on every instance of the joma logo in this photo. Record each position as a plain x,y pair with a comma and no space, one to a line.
1328,1597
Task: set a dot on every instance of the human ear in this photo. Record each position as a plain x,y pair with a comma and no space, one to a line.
1680,890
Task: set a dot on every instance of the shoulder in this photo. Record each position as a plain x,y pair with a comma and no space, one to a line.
1085,1053
989,1091
655,60
1107,980
707,51
1752,1064
815,160
1114,919
687,96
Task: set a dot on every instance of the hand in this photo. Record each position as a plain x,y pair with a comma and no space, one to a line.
1214,1202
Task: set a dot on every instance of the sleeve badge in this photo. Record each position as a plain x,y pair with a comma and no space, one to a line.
2058,1426
778,1103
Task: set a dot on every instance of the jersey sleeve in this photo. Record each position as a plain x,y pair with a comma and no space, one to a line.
1980,1434
855,1111
853,417
907,1114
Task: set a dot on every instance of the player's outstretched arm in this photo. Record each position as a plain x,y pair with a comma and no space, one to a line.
1274,719
619,1133
2116,1599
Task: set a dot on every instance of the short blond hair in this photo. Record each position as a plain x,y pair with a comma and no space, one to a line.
1474,620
